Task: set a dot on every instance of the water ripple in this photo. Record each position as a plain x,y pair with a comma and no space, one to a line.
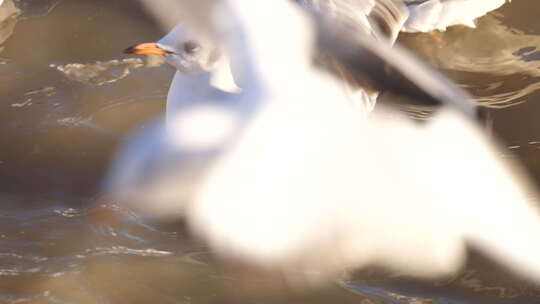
121,250
105,72
502,63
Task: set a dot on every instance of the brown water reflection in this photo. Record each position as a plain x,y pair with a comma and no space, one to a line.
53,121
67,97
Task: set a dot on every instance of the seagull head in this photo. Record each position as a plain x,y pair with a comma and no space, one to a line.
184,49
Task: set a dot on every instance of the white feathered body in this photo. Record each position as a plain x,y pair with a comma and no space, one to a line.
313,187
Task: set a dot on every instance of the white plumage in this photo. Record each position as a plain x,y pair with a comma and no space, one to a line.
305,186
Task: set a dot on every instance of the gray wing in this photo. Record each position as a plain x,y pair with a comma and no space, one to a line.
393,70
380,19
360,55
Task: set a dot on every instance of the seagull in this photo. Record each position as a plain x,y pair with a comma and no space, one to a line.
197,61
190,53
297,183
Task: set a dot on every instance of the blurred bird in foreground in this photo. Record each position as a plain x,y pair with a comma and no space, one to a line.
284,177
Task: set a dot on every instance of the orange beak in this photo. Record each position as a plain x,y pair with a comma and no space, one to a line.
150,48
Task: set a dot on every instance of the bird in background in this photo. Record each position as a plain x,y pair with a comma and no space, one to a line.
292,181
188,52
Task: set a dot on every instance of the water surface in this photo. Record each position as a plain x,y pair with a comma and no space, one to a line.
68,95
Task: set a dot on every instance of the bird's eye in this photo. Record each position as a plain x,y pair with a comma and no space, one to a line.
191,47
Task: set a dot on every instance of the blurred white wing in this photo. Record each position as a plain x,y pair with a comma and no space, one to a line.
307,187
327,193
310,185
